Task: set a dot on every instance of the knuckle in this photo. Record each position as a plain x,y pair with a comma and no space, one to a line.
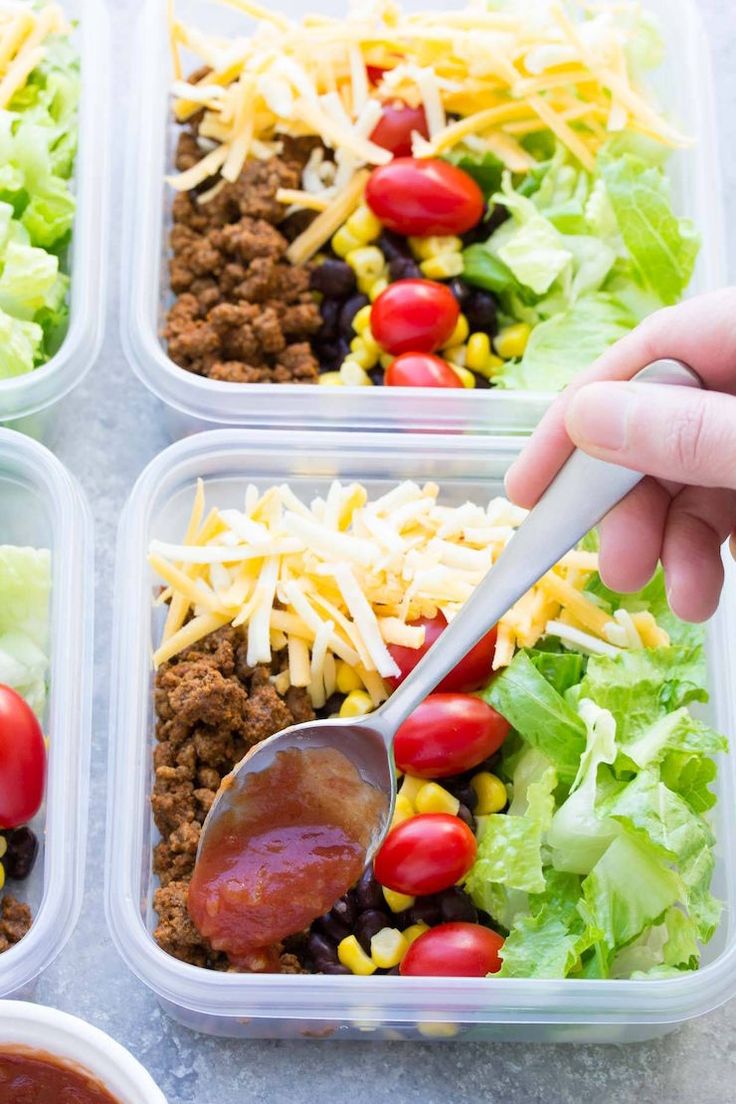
687,438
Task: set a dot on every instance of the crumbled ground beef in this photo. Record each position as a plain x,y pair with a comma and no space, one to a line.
210,708
15,921
243,313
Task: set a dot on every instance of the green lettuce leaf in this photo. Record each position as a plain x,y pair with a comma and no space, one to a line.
664,247
485,168
25,586
522,695
652,597
20,345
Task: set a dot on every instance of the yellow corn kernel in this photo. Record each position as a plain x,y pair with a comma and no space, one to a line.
455,354
377,288
438,1030
442,267
363,224
353,374
459,335
362,353
2,876
403,810
362,320
367,262
397,902
331,379
347,678
3,846
388,947
411,786
490,791
433,798
343,242
356,704
465,376
351,954
386,360
492,367
512,340
478,351
434,245
413,932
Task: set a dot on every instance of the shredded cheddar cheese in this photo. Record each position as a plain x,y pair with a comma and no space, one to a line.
23,32
342,577
490,76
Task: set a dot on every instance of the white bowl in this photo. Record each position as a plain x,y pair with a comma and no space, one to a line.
64,1036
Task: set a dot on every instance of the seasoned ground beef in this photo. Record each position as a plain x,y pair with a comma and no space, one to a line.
210,708
15,921
243,313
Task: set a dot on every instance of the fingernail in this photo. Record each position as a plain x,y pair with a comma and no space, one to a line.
599,415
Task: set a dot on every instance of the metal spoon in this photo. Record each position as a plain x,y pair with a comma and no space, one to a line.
581,494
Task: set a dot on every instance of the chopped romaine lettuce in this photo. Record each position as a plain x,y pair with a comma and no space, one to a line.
25,585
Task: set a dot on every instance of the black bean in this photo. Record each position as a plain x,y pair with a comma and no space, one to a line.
345,910
368,924
466,795
393,246
320,948
333,278
330,926
456,905
367,892
348,313
404,268
466,816
425,910
330,311
335,968
21,854
393,972
498,215
459,289
480,311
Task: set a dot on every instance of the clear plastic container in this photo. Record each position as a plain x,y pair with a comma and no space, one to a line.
194,403
29,403
467,467
41,505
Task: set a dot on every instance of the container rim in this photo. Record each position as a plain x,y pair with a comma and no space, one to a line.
69,708
217,402
238,996
21,396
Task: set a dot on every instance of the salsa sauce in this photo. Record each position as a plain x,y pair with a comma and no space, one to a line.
34,1077
293,841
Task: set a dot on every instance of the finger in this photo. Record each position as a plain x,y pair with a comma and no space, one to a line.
673,433
697,525
701,331
631,537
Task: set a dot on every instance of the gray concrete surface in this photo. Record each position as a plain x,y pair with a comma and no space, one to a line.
111,434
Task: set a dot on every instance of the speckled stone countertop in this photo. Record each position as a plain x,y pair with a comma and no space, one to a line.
112,431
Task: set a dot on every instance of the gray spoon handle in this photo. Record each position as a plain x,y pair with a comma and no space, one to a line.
581,494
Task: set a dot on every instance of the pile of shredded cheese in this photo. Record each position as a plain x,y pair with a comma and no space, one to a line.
486,78
23,31
342,577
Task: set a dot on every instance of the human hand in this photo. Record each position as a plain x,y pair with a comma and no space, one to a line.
683,439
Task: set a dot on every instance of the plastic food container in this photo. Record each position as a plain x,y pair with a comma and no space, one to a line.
29,403
385,1007
194,403
67,1037
41,505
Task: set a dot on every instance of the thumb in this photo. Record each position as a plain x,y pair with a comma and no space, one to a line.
675,433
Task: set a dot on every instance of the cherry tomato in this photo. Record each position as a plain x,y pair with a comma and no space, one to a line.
394,129
448,734
470,674
422,197
454,950
414,316
22,760
426,854
420,370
